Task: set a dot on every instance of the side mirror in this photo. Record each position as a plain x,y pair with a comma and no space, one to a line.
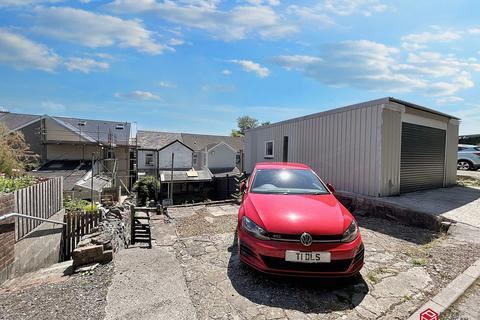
243,186
331,187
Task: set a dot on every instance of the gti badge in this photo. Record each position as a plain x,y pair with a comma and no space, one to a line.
306,239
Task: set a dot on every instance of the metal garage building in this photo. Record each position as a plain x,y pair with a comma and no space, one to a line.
379,148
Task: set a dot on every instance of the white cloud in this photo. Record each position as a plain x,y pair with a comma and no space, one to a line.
450,99
350,7
226,72
95,30
251,66
234,24
175,42
85,65
21,53
137,95
21,3
324,11
166,84
474,31
373,66
51,106
416,41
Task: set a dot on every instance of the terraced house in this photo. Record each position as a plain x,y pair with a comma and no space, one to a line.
203,165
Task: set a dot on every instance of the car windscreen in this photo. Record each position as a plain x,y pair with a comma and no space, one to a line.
287,181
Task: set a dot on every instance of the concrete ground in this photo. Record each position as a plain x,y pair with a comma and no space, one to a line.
467,307
461,204
472,174
193,272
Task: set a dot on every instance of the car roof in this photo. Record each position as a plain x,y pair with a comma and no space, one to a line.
281,165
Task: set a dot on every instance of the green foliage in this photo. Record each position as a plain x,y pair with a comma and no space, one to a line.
8,185
147,188
15,154
79,205
244,123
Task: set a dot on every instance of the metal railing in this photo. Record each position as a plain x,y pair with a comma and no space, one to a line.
19,215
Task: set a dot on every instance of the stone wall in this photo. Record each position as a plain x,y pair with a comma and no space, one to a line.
7,236
111,235
373,206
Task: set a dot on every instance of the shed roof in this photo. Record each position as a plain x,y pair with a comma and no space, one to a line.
358,106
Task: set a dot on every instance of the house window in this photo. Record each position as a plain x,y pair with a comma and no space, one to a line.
237,158
195,156
110,154
149,161
269,149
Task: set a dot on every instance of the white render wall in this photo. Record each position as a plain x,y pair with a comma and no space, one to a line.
183,156
222,156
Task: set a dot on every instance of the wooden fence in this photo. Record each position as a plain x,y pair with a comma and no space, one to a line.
41,200
78,225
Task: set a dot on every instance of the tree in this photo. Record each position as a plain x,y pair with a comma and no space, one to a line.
15,154
244,123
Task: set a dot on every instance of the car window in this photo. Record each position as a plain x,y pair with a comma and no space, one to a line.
477,148
287,181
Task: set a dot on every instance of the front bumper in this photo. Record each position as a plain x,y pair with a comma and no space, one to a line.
269,257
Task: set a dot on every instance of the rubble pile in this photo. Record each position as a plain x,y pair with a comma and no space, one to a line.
112,234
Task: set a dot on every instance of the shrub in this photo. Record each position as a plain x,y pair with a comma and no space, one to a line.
8,185
15,154
147,188
79,205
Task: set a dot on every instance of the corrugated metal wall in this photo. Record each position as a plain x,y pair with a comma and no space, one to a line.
391,140
342,146
451,153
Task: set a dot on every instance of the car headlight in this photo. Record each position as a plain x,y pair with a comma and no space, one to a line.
351,233
253,229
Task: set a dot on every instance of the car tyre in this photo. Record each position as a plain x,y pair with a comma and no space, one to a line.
464,165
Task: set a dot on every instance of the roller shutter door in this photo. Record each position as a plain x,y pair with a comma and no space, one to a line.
422,158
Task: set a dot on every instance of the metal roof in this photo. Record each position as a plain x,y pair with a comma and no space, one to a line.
358,106
181,175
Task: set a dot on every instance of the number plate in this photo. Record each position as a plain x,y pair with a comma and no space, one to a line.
307,257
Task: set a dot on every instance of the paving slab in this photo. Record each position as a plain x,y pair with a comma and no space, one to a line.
148,284
461,204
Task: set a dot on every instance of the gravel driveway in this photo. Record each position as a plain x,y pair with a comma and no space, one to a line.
48,294
404,266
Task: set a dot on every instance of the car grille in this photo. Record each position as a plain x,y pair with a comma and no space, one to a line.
281,264
316,238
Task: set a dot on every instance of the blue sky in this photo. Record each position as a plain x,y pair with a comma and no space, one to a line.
197,65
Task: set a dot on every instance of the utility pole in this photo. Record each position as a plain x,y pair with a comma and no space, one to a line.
91,182
171,178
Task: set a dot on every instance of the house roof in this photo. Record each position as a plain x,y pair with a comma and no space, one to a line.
156,139
200,141
359,106
12,121
92,130
196,142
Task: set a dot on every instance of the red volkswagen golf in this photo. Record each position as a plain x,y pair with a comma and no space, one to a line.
290,223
